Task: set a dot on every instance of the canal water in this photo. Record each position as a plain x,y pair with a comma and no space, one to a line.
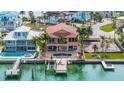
87,72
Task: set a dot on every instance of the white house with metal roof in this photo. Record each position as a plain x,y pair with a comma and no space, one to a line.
21,40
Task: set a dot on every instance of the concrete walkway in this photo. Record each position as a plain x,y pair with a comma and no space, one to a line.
97,32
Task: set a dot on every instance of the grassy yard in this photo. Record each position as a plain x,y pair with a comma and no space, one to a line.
105,55
37,26
107,28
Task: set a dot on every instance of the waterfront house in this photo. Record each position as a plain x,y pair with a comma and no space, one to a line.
120,21
54,16
63,38
78,15
108,14
20,40
9,21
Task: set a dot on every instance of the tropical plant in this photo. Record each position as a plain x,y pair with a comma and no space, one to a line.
22,13
24,19
108,42
61,20
91,15
95,47
102,42
83,34
120,29
114,22
1,42
32,17
98,16
121,13
121,39
45,17
89,30
62,39
41,41
39,19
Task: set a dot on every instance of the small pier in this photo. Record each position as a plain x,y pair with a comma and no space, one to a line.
61,66
15,70
107,66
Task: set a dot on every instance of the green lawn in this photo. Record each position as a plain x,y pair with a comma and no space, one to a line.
105,55
37,26
107,28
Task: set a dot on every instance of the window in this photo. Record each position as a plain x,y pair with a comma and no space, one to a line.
16,34
52,48
72,40
51,40
8,41
72,48
24,34
31,48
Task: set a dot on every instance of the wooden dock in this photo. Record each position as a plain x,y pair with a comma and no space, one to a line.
15,70
107,66
61,66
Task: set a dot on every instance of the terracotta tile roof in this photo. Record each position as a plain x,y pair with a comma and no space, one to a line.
62,26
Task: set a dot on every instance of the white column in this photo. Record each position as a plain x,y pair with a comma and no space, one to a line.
26,45
15,46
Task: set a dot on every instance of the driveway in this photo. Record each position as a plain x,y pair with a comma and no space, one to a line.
97,32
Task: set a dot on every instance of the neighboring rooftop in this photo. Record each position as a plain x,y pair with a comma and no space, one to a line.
55,13
8,16
28,36
121,17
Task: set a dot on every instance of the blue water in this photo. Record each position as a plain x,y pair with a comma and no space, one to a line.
88,72
17,54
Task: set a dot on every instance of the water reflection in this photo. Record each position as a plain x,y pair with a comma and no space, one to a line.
36,72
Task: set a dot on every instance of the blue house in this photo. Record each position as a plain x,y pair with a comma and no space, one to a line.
9,21
79,15
54,16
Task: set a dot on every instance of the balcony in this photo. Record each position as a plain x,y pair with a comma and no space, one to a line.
57,42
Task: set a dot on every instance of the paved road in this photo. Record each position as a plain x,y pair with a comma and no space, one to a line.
97,32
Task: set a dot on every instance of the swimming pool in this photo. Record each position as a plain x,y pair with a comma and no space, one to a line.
16,54
62,54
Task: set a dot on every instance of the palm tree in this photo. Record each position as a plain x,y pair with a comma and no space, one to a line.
41,41
62,39
89,30
83,34
32,17
95,47
102,42
24,19
98,16
91,15
61,20
39,19
45,17
114,22
114,25
121,39
108,42
22,13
